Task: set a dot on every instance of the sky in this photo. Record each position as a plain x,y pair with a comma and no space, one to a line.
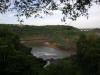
82,22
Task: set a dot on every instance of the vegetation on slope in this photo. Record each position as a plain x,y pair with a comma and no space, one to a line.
39,30
64,36
15,58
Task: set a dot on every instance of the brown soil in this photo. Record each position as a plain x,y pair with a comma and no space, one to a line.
29,38
53,45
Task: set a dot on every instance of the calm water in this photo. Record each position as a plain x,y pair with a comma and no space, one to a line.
49,53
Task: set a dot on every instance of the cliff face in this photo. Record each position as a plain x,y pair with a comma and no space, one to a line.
63,43
53,45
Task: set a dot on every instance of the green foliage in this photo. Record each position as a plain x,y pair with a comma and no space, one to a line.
42,30
65,67
54,33
65,39
13,59
71,8
88,53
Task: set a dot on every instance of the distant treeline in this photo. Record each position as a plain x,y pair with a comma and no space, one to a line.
42,30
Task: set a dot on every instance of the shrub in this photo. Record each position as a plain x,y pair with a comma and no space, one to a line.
88,54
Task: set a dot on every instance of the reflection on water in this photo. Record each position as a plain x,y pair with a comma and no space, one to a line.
49,53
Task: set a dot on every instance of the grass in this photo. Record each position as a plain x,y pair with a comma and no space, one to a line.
34,43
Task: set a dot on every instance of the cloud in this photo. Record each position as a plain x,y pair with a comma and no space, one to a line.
92,22
81,22
11,15
57,12
0,15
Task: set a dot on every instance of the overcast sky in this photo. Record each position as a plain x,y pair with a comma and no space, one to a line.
81,22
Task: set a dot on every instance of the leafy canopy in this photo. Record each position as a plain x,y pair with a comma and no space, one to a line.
70,8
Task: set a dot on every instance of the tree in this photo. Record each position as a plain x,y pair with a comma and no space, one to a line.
14,61
65,67
70,8
88,53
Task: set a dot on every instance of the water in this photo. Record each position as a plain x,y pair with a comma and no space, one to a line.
49,53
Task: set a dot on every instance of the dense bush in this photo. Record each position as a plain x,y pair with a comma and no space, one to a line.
13,60
88,53
65,67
